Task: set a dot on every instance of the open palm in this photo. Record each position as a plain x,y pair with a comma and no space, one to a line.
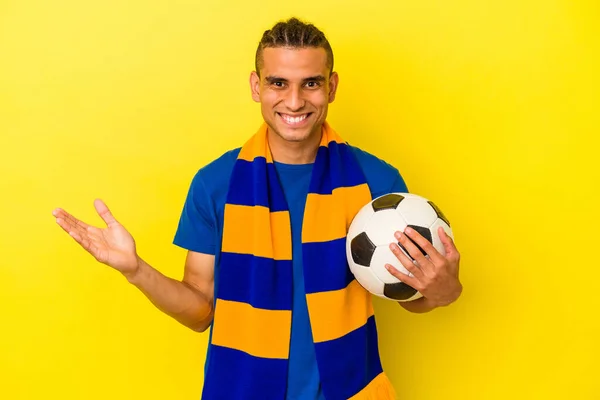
112,245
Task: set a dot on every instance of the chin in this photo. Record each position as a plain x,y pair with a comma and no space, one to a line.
293,134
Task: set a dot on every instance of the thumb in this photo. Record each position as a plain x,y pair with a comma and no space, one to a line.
104,213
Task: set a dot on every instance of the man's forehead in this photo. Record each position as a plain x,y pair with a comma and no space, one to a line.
298,63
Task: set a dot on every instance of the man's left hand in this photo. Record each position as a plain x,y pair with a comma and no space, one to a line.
435,276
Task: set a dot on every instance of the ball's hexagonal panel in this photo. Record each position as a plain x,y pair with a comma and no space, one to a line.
381,256
437,242
360,221
382,226
416,211
365,277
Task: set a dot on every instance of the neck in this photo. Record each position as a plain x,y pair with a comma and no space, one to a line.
288,152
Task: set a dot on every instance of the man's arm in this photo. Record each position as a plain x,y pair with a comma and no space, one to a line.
189,301
419,306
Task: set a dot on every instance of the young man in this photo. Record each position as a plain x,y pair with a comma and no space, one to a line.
264,226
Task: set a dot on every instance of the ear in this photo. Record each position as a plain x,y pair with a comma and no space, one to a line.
334,79
255,86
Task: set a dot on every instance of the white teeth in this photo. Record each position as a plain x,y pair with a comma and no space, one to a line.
293,120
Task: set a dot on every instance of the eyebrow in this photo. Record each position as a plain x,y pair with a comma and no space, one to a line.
271,79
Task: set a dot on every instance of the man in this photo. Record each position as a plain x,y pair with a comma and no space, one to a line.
265,267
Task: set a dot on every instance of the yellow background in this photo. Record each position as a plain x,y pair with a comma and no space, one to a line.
490,108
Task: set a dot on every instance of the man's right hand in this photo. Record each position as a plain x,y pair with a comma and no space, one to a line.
113,245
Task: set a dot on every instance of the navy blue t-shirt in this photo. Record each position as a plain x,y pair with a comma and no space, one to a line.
201,227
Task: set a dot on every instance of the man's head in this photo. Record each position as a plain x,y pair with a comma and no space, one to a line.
294,34
294,80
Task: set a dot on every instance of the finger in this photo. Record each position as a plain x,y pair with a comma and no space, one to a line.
71,220
104,212
405,261
66,226
69,227
81,235
74,234
402,277
79,239
449,246
88,244
415,245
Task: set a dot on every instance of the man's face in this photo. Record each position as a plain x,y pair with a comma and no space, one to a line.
294,89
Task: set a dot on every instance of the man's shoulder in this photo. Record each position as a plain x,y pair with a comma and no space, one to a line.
371,164
224,161
382,177
214,175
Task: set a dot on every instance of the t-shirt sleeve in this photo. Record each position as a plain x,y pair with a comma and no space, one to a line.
399,185
197,224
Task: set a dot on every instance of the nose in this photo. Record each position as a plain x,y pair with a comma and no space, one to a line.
294,100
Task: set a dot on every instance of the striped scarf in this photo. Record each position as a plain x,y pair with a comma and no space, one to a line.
250,340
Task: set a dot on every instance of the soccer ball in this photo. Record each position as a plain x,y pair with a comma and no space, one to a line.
372,231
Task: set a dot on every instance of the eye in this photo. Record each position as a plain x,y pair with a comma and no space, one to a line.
278,84
312,84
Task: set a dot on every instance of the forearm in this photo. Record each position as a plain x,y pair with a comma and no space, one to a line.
186,304
419,306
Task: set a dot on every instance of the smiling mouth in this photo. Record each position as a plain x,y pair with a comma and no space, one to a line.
294,119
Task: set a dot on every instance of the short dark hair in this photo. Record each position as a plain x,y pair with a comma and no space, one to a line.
294,34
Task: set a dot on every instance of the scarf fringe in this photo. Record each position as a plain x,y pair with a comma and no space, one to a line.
380,388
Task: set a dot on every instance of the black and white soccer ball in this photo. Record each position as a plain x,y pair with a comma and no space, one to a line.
371,232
